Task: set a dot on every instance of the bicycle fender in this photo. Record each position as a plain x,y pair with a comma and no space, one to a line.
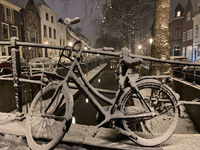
69,100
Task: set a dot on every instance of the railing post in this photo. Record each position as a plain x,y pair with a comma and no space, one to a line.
16,69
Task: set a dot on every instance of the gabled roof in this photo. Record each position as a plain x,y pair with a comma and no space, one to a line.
174,4
22,3
195,4
19,3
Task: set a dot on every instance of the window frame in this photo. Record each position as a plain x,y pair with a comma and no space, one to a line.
11,17
52,19
197,31
54,33
2,23
177,36
16,30
45,29
50,32
47,16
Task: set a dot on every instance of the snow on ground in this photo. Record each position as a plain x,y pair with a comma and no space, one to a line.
13,142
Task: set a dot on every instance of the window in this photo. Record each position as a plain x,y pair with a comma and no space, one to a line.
188,16
51,19
14,31
54,33
183,52
198,50
9,15
184,36
3,51
45,31
177,32
197,31
61,31
50,33
189,34
189,52
60,42
33,34
63,42
5,31
47,16
178,13
177,49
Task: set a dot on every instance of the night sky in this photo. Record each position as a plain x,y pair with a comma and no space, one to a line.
76,10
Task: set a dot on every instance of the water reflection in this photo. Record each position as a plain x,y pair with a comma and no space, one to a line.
84,112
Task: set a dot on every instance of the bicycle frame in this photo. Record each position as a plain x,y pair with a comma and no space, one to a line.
88,90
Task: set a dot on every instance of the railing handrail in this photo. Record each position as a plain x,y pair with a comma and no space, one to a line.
97,51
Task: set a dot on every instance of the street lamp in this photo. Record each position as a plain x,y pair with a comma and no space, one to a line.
139,47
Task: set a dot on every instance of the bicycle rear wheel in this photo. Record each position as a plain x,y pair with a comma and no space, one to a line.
155,130
47,120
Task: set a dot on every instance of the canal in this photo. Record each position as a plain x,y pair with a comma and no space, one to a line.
84,112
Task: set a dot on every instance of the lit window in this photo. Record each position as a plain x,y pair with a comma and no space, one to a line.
3,51
178,13
5,32
189,34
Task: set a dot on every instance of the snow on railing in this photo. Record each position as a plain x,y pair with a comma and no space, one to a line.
102,51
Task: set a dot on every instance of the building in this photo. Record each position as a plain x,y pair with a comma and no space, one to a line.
187,31
30,27
196,26
175,29
10,25
61,34
48,28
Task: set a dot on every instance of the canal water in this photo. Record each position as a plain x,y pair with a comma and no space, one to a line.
84,112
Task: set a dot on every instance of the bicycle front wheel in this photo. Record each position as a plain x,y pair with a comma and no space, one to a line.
155,130
46,122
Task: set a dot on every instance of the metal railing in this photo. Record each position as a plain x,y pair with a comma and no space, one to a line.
16,69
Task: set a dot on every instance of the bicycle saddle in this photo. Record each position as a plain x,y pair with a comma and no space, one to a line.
130,62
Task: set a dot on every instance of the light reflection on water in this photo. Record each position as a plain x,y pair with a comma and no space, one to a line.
84,112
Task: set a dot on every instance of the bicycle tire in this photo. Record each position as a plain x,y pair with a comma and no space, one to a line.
44,132
155,130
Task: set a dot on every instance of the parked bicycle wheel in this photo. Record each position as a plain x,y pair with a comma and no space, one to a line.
47,120
151,131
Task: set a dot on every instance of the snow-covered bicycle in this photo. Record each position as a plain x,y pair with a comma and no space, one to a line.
145,110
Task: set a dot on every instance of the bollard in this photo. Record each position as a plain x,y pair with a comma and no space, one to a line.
16,69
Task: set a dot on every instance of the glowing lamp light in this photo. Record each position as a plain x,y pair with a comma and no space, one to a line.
73,120
85,48
139,46
86,100
99,80
45,42
70,43
150,41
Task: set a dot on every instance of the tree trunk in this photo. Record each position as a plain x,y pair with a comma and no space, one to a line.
160,33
